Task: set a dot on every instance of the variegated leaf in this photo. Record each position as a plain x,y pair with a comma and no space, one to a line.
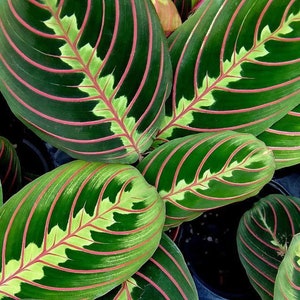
287,283
164,276
89,77
236,66
263,237
283,138
207,170
77,232
10,169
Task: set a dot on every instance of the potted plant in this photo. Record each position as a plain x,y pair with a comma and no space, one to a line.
161,129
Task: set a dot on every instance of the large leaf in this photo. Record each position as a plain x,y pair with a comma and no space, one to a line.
263,237
287,284
90,77
10,169
77,232
164,276
236,66
207,170
283,138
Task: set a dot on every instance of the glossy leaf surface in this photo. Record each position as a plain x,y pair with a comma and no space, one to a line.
77,232
207,170
10,169
283,138
164,276
89,77
287,284
236,66
263,237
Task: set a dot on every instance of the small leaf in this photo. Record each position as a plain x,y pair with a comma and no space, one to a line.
283,138
263,237
236,67
164,276
287,284
10,169
207,170
168,15
77,232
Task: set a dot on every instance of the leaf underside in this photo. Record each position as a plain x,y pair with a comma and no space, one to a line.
90,78
77,232
263,237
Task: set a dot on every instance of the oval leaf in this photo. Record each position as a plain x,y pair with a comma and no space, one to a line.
287,284
207,170
283,138
263,237
88,77
236,66
77,232
10,169
164,276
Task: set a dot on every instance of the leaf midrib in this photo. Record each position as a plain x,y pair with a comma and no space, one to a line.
96,86
222,76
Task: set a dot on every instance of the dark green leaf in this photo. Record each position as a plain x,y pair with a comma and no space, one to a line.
89,77
263,237
236,66
164,276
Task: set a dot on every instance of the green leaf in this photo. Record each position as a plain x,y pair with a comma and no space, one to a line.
90,77
207,170
164,276
283,138
10,169
1,194
287,284
78,231
263,237
236,66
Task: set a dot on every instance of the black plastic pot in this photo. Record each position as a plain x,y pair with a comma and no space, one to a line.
33,153
209,247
